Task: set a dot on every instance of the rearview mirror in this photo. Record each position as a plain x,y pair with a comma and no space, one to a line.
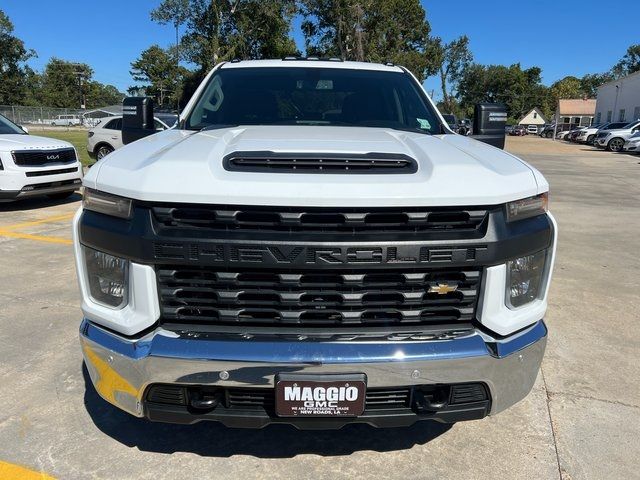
137,118
489,121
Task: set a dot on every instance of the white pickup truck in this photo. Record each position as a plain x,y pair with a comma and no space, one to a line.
34,166
312,245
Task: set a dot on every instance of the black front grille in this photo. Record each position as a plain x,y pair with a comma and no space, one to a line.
264,398
37,158
376,163
381,398
329,220
45,186
57,171
393,298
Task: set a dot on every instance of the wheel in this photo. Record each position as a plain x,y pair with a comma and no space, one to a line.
103,151
53,124
548,134
61,195
615,144
590,139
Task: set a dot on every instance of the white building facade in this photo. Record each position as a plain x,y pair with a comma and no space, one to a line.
619,100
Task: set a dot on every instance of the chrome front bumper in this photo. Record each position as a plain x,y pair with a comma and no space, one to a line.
122,369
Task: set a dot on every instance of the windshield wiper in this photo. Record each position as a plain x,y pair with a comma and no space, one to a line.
216,126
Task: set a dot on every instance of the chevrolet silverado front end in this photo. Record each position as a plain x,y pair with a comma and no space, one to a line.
311,245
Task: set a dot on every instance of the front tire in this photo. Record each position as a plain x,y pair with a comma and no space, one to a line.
590,139
548,134
103,151
615,145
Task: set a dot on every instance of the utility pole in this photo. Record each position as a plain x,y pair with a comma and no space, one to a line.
81,74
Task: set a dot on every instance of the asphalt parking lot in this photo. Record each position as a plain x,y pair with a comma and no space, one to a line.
581,420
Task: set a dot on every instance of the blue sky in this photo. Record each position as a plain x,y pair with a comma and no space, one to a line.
561,37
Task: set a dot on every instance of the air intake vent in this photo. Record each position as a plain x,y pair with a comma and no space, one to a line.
376,163
326,220
468,393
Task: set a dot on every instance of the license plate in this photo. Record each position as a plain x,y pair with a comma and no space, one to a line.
320,395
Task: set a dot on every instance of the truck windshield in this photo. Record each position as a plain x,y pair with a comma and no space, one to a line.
8,127
313,96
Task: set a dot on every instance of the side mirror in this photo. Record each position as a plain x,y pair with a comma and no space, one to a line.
137,118
489,121
24,129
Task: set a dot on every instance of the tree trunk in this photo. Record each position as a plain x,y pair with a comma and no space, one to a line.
443,85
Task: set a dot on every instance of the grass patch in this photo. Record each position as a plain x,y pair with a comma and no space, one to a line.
76,137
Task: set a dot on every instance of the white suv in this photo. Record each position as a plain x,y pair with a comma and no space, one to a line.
614,139
32,166
106,137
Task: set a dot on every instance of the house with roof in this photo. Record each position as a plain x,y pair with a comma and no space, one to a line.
575,112
533,117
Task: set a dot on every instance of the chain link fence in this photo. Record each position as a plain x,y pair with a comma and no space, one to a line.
46,116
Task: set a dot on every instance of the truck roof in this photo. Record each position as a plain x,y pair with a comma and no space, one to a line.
312,63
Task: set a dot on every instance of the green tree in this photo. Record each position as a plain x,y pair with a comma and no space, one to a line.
450,60
398,31
66,84
628,64
590,82
227,29
372,30
161,77
13,69
99,95
175,12
519,90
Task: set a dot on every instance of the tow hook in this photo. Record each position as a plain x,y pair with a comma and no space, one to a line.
206,402
427,402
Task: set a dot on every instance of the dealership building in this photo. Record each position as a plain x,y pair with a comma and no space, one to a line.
619,100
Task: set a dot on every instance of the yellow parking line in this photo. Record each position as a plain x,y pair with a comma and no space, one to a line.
39,238
57,218
10,471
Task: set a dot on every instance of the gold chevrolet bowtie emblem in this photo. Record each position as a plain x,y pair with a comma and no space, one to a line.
442,288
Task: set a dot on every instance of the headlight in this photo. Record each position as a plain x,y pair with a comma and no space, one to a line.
525,277
528,207
107,203
107,277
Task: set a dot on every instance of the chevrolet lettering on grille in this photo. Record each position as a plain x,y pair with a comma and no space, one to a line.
274,255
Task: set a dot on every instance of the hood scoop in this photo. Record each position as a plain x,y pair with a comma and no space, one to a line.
334,163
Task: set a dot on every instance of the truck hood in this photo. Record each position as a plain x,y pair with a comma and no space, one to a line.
184,166
27,142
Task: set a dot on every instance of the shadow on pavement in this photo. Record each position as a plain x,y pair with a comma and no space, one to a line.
37,202
211,439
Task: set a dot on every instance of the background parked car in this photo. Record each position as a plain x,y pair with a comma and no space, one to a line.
633,144
107,135
532,129
588,135
547,131
572,136
614,139
66,120
518,131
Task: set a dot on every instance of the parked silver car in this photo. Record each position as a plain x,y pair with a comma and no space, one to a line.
614,139
632,145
